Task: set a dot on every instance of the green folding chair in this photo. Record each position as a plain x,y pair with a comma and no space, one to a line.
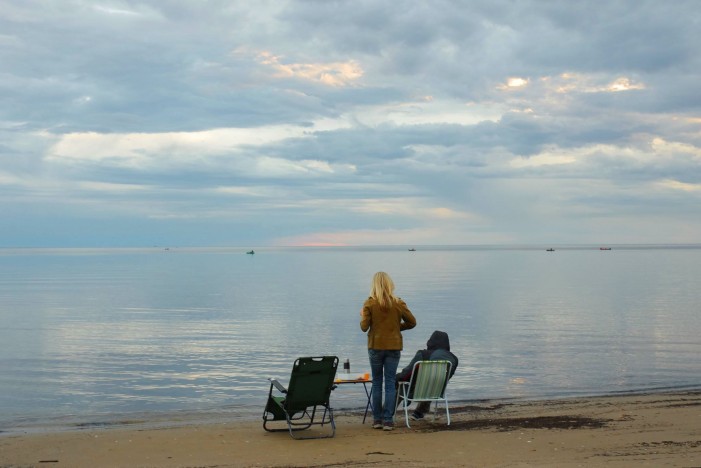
428,382
306,395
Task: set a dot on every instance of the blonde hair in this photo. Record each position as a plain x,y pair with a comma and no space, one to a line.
382,289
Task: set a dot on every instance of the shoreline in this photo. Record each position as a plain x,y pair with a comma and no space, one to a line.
651,428
249,413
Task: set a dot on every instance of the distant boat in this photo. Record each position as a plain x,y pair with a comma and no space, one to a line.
550,250
412,250
251,252
604,248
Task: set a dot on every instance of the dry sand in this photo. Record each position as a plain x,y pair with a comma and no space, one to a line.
656,430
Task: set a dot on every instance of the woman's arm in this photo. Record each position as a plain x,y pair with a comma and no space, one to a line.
365,318
408,320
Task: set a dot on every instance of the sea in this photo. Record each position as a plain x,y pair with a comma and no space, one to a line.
168,336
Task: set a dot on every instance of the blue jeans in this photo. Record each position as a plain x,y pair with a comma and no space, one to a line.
383,363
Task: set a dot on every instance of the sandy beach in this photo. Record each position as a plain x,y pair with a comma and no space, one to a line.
659,429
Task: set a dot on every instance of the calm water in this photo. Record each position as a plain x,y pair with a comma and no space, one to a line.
102,336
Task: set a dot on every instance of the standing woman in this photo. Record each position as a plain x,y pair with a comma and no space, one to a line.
385,316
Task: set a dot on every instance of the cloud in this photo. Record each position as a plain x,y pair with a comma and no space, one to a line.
680,186
210,150
132,148
409,237
330,74
341,123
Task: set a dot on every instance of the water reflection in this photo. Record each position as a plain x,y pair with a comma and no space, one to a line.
120,333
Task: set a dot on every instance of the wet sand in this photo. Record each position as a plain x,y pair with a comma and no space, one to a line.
657,430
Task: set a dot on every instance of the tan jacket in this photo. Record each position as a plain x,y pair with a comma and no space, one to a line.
386,324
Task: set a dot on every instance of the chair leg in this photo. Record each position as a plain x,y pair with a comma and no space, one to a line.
402,393
328,411
447,411
406,405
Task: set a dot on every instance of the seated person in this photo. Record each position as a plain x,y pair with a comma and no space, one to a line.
437,349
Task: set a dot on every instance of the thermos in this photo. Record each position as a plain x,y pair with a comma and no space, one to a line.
346,366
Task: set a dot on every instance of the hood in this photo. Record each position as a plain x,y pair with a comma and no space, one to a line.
438,340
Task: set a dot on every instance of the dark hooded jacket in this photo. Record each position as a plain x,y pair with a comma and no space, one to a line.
437,349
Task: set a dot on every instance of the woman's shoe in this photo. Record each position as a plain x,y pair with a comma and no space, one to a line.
389,426
377,424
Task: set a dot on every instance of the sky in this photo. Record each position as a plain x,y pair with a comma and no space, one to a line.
368,122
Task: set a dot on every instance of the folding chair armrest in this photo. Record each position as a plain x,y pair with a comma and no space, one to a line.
278,385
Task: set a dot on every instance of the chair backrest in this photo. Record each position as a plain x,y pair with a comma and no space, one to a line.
430,379
311,382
